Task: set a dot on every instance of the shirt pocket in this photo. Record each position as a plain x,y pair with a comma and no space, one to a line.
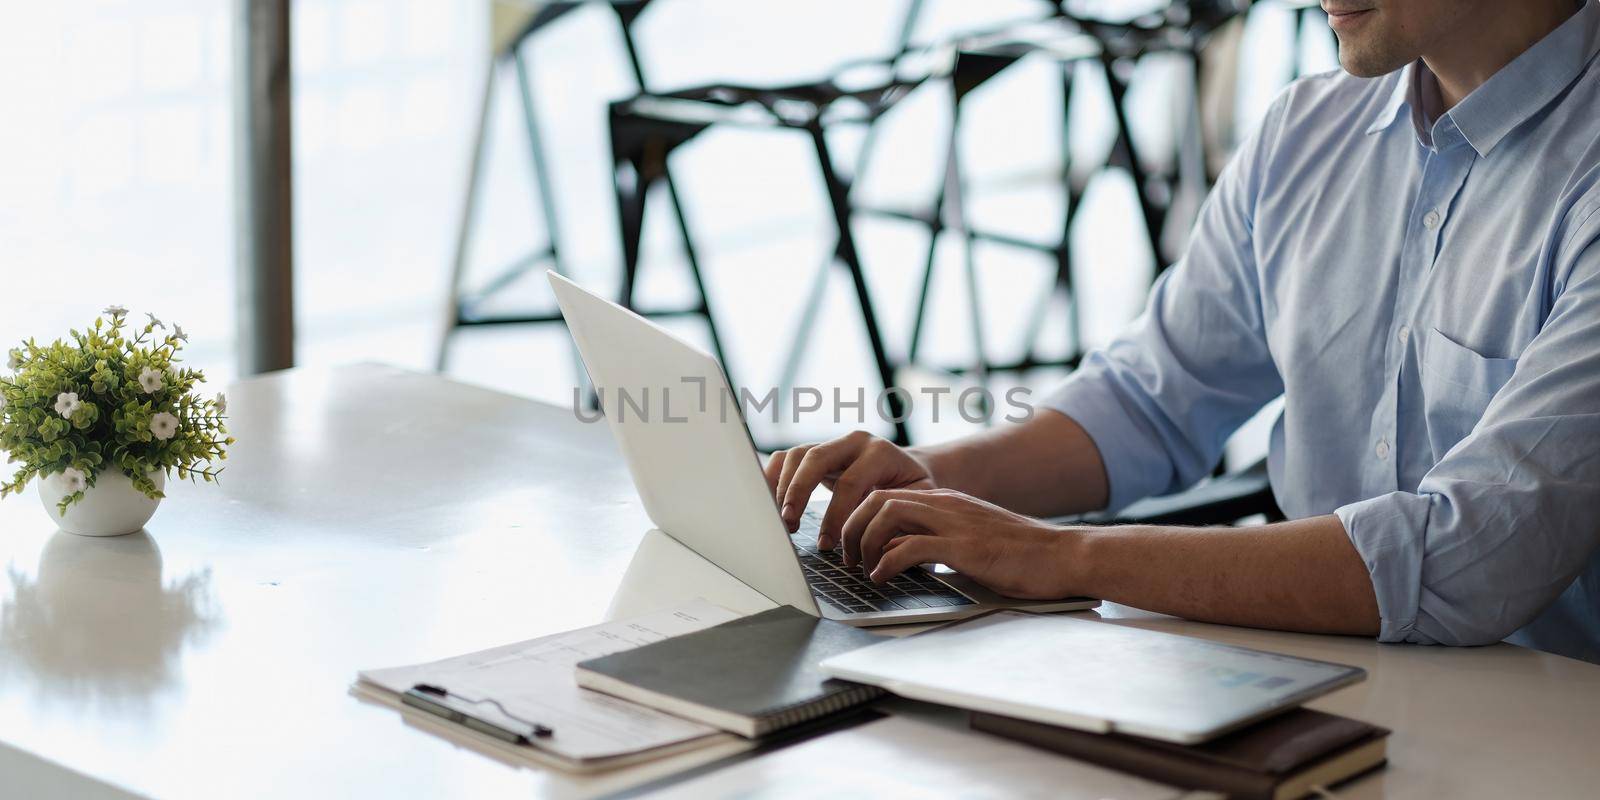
1457,385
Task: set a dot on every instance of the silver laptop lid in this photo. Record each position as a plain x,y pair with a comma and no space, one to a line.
692,462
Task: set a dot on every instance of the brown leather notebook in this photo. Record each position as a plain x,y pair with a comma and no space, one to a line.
1279,758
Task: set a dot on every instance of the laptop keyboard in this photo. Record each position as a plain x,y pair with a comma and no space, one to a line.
851,590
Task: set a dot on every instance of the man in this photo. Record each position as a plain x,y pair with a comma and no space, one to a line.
1410,255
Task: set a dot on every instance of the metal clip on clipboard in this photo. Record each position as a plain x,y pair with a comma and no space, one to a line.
427,697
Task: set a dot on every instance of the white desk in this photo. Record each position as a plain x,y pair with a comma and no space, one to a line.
371,517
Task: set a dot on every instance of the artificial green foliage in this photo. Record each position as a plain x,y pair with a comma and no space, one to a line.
111,398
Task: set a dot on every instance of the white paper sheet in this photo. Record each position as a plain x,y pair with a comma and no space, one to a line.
533,680
901,757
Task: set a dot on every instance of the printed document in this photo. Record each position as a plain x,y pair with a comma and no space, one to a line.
533,681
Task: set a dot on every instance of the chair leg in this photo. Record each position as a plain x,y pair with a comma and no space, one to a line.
469,209
803,331
626,14
692,255
631,187
957,201
970,72
839,199
920,315
952,202
1063,249
1189,182
639,160
1297,44
813,306
547,196
936,228
1123,147
538,161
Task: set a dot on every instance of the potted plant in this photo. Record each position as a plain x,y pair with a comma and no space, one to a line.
104,419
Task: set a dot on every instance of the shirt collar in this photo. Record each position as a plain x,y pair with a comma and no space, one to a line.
1518,91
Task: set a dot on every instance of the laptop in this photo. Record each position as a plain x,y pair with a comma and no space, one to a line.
682,432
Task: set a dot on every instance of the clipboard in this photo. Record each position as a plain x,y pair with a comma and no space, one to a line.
441,702
506,695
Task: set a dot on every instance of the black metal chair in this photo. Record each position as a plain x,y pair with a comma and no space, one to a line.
647,129
469,308
1068,40
1221,500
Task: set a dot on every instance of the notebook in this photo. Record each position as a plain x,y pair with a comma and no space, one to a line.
1092,675
751,676
1286,757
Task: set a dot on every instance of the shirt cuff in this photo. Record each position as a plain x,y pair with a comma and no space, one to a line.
1388,533
1128,445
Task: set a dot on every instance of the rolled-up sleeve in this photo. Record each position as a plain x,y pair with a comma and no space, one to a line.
1505,522
1161,400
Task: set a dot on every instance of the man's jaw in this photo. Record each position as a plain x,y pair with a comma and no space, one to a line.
1367,42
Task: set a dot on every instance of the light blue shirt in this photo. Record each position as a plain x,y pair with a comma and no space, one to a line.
1425,296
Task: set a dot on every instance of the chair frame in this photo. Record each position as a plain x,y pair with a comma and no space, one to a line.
465,309
644,134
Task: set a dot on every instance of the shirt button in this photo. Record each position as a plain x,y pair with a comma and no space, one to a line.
1382,449
1403,334
1432,219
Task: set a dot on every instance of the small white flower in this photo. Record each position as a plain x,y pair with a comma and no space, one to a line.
67,404
177,332
164,426
156,323
222,403
116,312
150,380
15,362
73,480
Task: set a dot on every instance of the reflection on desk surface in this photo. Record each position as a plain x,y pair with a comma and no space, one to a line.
98,623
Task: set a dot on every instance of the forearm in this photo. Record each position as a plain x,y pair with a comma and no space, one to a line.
1303,575
1046,466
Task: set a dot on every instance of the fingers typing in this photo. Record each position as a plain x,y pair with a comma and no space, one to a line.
773,469
905,552
849,490
791,463
818,462
856,525
897,516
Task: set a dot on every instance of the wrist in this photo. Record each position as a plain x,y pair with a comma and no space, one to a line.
1076,558
939,463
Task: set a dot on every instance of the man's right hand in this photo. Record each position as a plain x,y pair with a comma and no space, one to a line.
852,466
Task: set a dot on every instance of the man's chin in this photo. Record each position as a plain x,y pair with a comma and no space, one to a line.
1366,64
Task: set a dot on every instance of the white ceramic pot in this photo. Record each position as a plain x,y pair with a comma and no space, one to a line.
112,508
